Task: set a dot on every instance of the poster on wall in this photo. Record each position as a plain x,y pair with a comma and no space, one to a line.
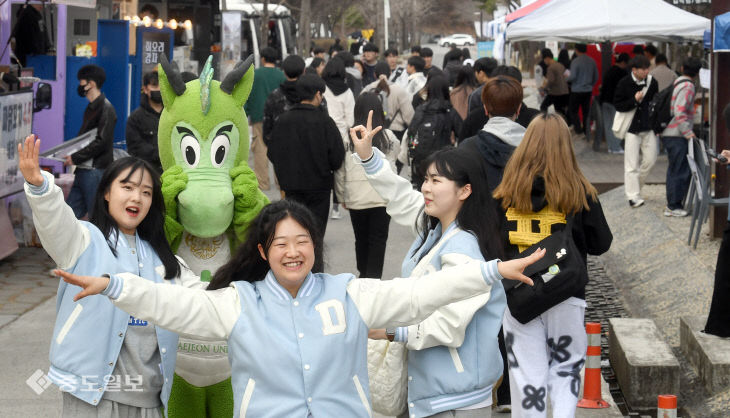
230,42
16,112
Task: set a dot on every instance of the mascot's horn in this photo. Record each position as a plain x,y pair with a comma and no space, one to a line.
235,75
173,76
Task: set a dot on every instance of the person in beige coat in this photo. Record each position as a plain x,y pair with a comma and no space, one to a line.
370,222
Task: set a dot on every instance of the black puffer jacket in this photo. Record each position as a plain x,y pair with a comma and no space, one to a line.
141,133
279,101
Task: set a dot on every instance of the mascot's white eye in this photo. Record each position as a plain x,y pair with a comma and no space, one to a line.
190,150
219,150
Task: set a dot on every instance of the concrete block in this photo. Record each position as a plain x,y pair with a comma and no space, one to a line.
644,364
710,355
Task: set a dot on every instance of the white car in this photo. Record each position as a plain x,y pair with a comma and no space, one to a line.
459,39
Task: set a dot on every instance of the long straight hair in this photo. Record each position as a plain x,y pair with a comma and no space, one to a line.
247,264
546,150
363,105
478,214
151,229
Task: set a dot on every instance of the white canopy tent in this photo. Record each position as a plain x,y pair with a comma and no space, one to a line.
595,21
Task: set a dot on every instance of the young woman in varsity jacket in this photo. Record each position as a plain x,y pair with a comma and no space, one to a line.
543,185
453,359
296,339
106,362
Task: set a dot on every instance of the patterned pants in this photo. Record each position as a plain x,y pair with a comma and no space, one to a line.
545,358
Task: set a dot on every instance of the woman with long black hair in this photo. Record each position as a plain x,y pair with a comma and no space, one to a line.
453,355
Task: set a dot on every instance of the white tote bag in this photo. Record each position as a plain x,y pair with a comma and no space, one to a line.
622,120
388,361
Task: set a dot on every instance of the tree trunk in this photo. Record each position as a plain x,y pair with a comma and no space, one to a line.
379,38
305,32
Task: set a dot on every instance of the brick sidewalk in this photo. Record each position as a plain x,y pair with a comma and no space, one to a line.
25,282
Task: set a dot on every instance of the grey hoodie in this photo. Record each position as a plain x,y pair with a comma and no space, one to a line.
509,131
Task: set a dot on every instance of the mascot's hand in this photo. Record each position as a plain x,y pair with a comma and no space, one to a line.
248,199
174,180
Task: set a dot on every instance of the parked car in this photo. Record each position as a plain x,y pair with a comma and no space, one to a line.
459,39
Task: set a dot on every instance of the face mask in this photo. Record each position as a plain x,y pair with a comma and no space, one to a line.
81,90
156,96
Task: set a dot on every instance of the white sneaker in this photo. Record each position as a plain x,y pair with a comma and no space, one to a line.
501,409
636,202
336,213
678,213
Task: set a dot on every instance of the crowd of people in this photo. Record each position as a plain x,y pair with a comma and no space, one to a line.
484,170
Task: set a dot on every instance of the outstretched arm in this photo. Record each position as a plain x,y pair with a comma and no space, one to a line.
193,312
63,236
403,203
402,302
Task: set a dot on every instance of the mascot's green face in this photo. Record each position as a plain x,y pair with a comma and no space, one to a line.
203,129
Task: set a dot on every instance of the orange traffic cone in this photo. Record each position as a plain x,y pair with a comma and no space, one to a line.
666,406
592,386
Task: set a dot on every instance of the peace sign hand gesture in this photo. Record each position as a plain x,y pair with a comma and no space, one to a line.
362,138
28,160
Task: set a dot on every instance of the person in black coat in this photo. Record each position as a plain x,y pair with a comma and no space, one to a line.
93,159
477,118
306,148
608,90
635,92
718,320
141,132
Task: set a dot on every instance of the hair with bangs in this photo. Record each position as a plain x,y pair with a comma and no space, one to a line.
151,228
478,214
546,150
247,265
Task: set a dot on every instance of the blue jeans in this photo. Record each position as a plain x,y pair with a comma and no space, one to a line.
609,112
678,174
83,192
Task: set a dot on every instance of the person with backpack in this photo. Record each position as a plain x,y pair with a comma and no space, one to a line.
395,100
677,135
433,124
543,185
370,221
631,99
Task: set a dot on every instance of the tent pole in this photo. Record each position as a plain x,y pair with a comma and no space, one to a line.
719,138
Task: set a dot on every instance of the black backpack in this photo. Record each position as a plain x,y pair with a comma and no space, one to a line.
660,108
429,131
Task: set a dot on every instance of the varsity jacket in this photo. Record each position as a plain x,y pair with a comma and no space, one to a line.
454,359
88,334
307,355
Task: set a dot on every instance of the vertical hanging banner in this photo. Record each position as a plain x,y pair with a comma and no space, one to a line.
230,41
154,45
16,112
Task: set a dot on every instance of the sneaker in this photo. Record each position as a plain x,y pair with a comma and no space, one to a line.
618,151
501,409
678,213
636,202
336,213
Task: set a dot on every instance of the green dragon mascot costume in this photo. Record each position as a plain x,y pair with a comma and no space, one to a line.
211,196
